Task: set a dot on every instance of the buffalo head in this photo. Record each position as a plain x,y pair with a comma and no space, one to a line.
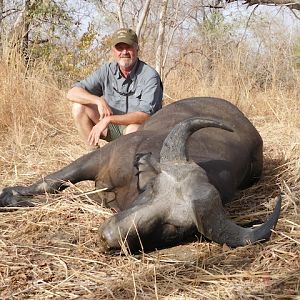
177,201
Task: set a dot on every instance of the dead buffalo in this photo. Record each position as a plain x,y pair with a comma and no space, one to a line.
171,177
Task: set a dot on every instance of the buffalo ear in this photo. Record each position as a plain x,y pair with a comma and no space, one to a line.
147,169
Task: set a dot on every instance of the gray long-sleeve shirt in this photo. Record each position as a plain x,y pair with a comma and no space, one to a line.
140,91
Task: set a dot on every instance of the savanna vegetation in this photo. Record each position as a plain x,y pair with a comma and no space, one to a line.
51,251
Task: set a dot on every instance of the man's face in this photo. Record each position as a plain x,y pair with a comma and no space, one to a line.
125,55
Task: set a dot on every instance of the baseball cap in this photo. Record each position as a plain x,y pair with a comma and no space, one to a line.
124,35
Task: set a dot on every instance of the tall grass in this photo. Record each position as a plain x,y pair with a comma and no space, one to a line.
260,82
27,95
35,118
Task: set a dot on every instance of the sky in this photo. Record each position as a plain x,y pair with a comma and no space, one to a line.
274,16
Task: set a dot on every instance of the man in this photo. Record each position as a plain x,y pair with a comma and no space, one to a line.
119,96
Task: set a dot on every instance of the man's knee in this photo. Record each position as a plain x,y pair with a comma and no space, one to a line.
78,110
85,112
131,128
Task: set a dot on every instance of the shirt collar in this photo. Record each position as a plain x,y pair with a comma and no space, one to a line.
133,72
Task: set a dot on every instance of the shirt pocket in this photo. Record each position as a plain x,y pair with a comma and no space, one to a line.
138,93
115,101
134,100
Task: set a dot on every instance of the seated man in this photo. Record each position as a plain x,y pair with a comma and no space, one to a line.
119,96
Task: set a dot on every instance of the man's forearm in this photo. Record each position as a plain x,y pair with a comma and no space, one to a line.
129,118
80,95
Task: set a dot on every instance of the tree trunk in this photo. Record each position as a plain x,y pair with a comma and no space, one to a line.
1,18
20,30
160,38
120,13
25,40
1,11
143,17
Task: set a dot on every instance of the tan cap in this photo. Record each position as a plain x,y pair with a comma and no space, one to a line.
124,35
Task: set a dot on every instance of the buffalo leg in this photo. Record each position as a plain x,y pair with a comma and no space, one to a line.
84,168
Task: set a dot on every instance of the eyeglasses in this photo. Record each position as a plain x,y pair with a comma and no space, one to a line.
124,94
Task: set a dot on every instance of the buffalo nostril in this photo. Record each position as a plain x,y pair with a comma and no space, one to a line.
110,235
104,247
107,236
103,241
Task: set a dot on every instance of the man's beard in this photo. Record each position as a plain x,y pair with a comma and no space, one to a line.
126,62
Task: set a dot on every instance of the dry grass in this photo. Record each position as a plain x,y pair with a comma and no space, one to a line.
52,251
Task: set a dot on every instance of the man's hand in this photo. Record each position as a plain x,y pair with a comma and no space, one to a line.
97,131
103,109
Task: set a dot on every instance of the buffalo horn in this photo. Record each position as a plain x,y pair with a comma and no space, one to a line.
174,148
221,230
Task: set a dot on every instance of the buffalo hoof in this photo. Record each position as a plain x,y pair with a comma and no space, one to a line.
9,197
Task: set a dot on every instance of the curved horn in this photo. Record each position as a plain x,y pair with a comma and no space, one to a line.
173,148
215,226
